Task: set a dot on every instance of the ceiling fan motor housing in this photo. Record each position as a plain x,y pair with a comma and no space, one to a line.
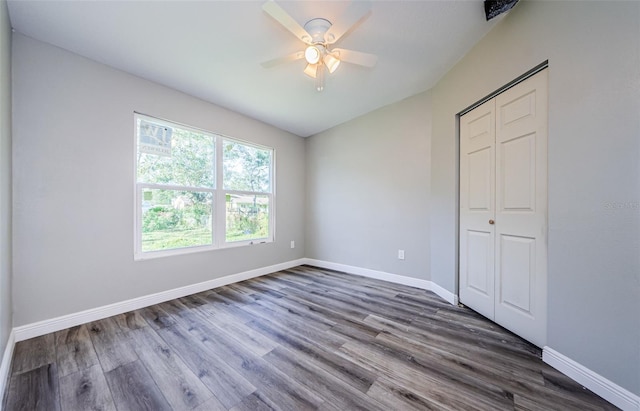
317,28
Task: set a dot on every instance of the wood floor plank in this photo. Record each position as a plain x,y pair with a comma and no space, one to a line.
460,339
567,388
112,347
266,378
34,353
358,330
349,372
290,322
293,310
293,277
234,296
133,389
528,404
253,340
357,290
464,374
275,385
396,397
131,320
181,388
295,317
365,281
475,324
192,301
389,309
419,379
74,350
86,389
228,385
343,325
329,387
267,281
221,312
182,315
322,300
428,298
212,404
258,291
475,373
454,363
34,390
255,402
156,317
281,281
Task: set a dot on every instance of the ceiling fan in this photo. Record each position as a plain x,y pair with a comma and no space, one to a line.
320,35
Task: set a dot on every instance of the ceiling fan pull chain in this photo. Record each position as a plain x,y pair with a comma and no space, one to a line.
320,78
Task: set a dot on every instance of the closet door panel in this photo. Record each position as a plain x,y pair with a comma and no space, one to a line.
477,207
521,209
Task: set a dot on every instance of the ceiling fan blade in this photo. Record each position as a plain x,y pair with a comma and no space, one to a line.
284,59
356,13
274,10
356,57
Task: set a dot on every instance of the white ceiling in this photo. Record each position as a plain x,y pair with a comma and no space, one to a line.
213,50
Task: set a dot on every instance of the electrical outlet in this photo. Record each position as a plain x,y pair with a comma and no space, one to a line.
400,254
293,244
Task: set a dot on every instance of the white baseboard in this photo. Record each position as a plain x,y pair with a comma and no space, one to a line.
606,389
25,332
393,278
5,366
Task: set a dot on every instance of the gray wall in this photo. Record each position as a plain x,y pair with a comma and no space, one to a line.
368,190
594,175
73,142
5,177
370,186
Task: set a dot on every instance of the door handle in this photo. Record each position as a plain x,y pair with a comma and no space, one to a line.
492,222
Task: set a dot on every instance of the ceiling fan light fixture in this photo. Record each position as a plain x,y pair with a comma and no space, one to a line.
311,70
319,35
331,62
312,54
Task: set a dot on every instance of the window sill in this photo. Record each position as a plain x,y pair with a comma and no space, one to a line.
150,255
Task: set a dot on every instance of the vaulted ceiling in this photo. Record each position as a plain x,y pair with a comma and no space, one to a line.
213,50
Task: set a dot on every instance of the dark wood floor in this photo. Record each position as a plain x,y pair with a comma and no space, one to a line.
300,339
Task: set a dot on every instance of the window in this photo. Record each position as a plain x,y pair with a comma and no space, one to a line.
197,191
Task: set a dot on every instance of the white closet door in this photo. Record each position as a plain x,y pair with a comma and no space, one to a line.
503,209
521,209
477,208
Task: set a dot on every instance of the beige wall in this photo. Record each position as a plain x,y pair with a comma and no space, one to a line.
368,190
73,185
593,50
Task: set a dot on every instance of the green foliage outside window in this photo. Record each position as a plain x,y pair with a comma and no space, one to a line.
173,219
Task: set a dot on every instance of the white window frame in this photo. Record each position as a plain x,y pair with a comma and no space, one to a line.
218,212
221,198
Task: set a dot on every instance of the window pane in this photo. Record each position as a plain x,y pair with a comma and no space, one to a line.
175,219
246,168
247,217
171,155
